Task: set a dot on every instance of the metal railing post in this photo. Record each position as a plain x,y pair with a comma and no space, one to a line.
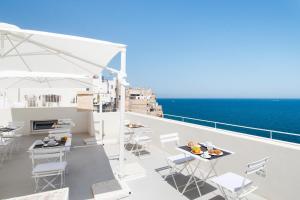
271,134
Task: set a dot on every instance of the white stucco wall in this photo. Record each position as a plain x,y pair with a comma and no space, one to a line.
111,126
104,126
81,119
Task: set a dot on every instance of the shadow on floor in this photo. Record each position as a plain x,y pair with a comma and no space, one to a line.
181,181
136,150
218,197
132,147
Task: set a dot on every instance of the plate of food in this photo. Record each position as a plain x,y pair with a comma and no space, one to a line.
197,152
196,149
215,152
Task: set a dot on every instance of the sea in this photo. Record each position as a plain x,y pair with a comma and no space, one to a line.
272,114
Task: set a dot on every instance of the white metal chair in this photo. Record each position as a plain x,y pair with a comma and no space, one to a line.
5,149
176,163
141,140
16,124
128,137
47,165
234,186
16,134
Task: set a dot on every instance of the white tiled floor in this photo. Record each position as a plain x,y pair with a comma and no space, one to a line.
86,165
89,165
153,186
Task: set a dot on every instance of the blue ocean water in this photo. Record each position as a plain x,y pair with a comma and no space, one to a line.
279,114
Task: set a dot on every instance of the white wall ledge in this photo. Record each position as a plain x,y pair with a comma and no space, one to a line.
280,143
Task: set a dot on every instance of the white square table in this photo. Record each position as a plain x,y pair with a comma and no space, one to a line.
212,163
66,146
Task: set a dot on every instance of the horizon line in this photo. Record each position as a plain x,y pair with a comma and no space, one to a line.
269,98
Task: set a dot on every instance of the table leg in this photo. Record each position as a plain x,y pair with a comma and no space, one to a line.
212,169
192,176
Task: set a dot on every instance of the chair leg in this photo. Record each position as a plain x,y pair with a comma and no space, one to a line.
133,148
182,168
174,181
49,183
1,156
17,144
61,180
11,147
5,153
36,181
125,146
223,192
170,171
128,142
139,150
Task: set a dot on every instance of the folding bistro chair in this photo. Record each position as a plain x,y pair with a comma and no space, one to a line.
16,134
47,165
128,138
5,149
141,140
176,163
234,186
16,124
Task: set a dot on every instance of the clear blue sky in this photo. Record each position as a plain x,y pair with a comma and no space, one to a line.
200,48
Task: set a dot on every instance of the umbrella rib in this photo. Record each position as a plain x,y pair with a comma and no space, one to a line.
50,53
48,83
66,53
22,59
85,83
41,53
77,65
15,46
65,59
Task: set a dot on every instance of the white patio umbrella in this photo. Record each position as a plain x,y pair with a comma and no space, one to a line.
25,79
30,50
37,51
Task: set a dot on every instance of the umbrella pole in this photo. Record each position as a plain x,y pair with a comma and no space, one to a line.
121,78
19,95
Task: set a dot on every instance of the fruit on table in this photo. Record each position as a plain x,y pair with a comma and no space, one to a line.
196,149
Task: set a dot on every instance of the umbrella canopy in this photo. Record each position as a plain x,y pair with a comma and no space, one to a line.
25,79
36,51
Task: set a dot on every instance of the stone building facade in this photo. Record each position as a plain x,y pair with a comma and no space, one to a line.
143,101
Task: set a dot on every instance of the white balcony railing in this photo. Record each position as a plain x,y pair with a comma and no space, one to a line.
272,134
